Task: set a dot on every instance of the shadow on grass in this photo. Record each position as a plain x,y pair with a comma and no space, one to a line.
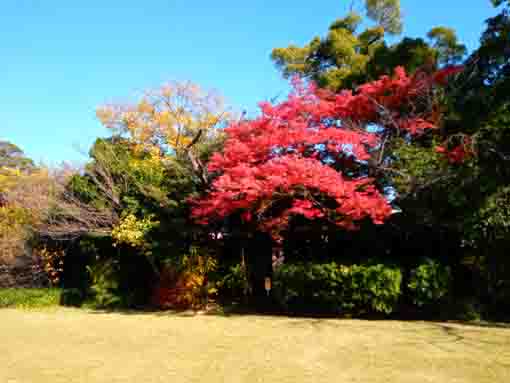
236,310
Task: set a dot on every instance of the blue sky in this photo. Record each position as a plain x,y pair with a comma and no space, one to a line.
60,60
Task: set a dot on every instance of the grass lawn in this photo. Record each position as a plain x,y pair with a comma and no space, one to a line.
70,345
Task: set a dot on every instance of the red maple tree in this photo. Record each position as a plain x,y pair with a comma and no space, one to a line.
308,155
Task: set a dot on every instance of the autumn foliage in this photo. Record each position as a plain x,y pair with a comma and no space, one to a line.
459,153
310,154
168,118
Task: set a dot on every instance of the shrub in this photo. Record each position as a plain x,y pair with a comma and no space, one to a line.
72,297
235,284
339,289
466,309
120,281
429,282
52,262
29,297
499,307
184,283
105,284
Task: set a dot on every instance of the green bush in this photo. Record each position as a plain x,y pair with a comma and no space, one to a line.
234,283
72,297
105,284
429,282
29,298
467,309
121,282
339,289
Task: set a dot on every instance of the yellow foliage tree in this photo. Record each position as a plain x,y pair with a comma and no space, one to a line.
132,231
25,198
171,117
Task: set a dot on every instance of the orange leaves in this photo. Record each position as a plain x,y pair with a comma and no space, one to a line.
52,263
185,285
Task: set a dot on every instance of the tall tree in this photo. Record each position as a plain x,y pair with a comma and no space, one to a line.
135,189
313,155
347,56
461,175
177,118
445,42
385,13
336,61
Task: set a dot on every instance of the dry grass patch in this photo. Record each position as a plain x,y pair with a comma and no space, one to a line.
68,345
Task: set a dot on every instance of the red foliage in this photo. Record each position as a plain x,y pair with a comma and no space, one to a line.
174,290
441,77
304,155
170,298
458,154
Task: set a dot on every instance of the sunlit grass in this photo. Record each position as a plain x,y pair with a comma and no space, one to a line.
71,345
29,298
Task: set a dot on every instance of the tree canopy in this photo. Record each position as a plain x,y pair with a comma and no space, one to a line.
347,57
12,157
308,155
